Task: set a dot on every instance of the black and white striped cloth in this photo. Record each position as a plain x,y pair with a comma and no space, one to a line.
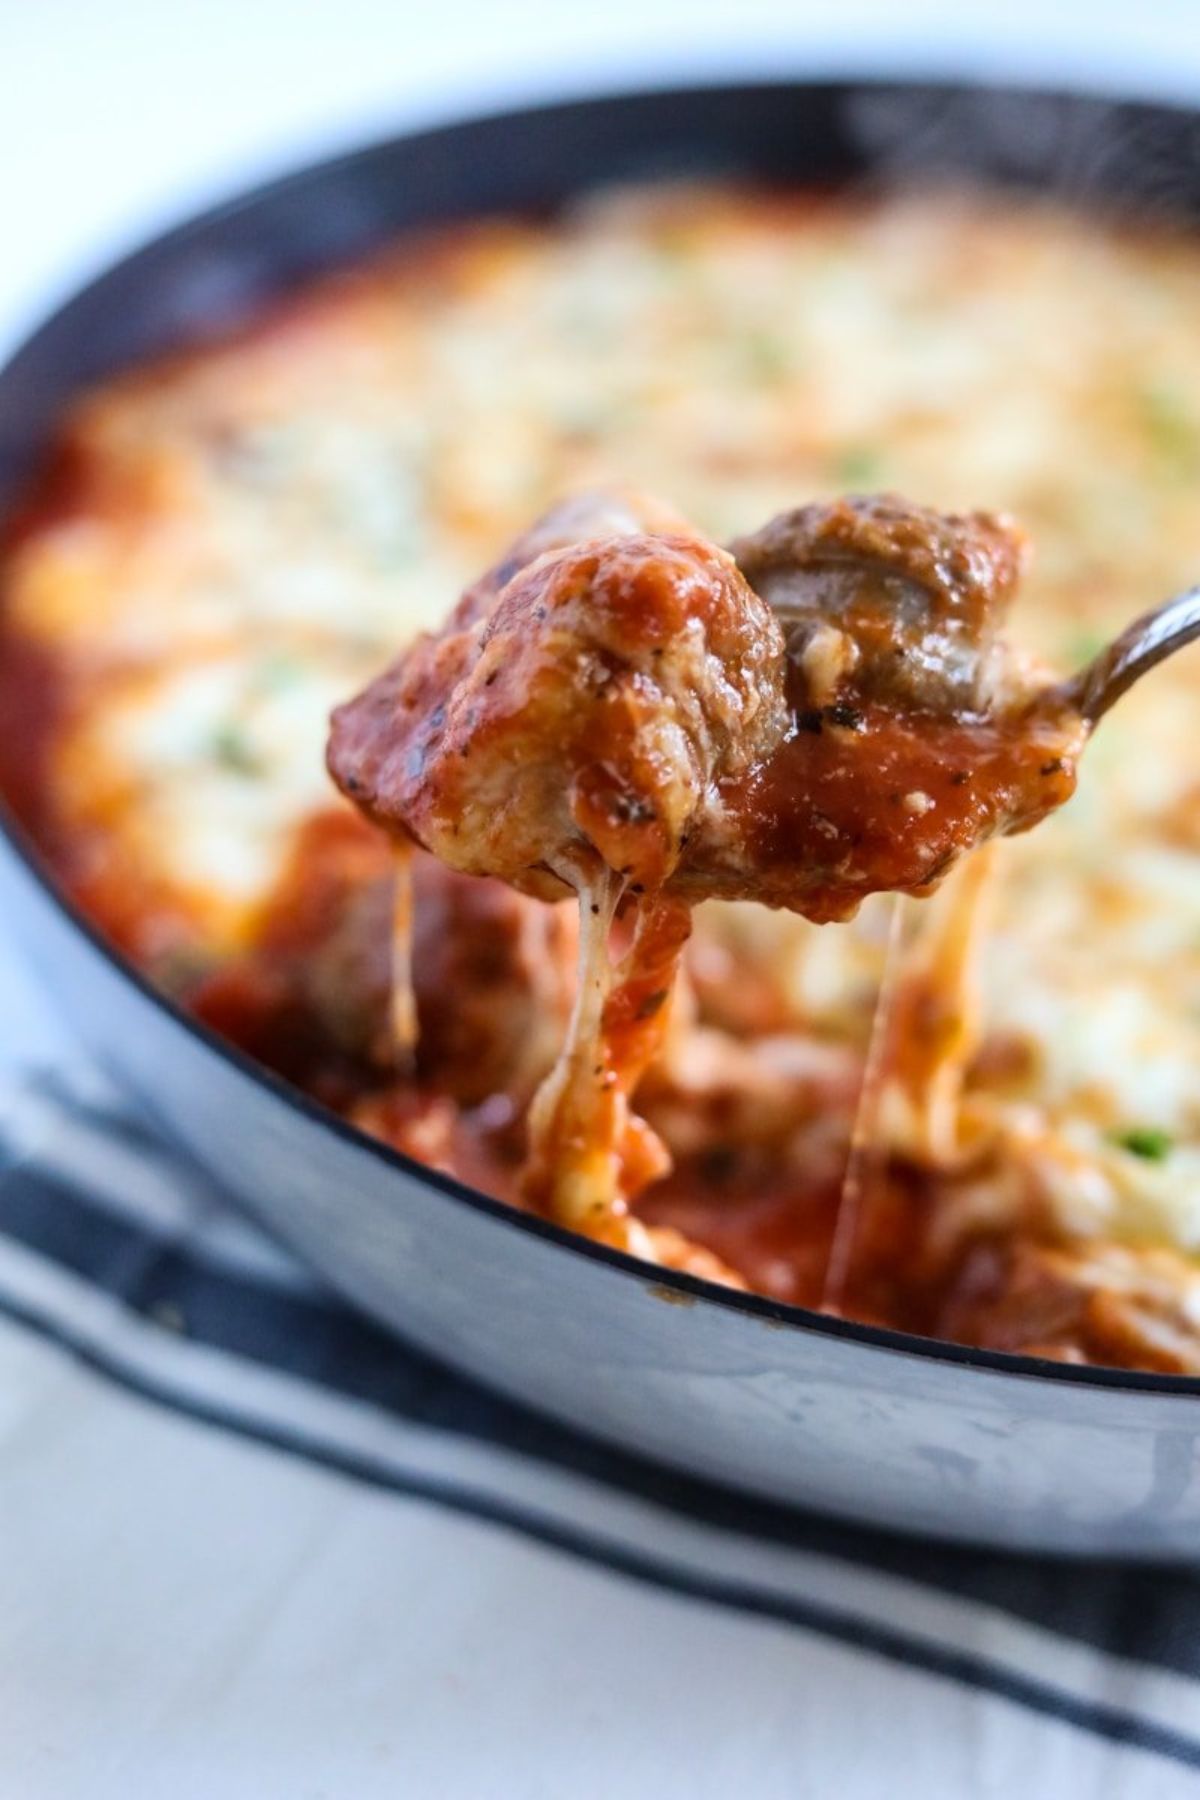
252,1546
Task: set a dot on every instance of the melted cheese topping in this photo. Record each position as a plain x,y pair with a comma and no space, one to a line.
257,526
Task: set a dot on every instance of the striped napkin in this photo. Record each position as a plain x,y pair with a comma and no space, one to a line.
251,1546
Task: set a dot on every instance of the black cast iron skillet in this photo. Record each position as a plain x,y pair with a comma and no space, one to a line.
867,1423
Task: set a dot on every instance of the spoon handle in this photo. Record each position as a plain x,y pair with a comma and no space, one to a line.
1139,648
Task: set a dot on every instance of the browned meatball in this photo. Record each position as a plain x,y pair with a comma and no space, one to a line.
624,715
632,704
890,601
492,974
584,723
493,977
917,733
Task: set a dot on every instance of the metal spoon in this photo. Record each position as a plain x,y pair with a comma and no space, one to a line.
1142,645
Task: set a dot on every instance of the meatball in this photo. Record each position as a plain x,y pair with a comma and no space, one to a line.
584,722
917,732
836,715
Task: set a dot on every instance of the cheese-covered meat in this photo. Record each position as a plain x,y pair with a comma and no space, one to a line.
899,602
584,720
632,703
916,731
628,717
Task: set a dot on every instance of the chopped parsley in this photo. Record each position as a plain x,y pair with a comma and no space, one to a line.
858,465
276,672
1149,1142
233,750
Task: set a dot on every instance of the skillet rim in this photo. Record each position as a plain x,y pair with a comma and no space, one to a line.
16,839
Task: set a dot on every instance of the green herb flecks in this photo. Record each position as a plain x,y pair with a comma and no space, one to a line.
233,750
858,466
276,672
1149,1142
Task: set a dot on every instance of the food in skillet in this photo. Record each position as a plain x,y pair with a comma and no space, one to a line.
232,542
629,700
616,711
